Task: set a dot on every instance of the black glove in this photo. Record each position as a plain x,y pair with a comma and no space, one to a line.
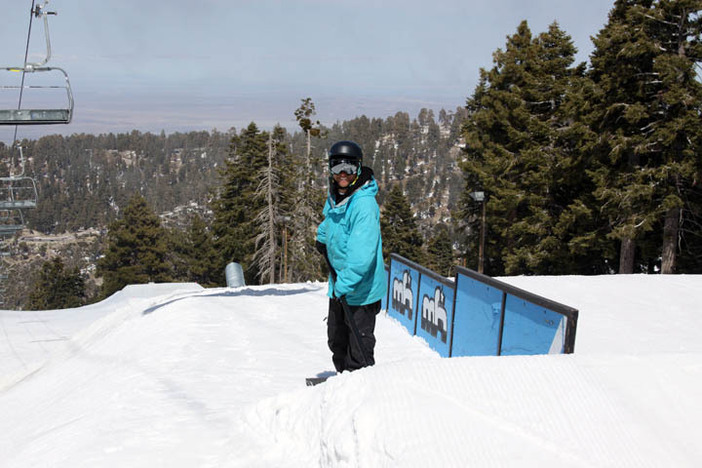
321,248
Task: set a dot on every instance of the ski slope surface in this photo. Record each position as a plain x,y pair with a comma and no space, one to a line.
174,375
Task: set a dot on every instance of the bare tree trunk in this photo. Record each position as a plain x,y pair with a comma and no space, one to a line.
670,240
626,256
271,213
308,160
265,255
285,254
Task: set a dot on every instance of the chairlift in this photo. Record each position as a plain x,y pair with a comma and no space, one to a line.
9,216
10,228
5,247
11,222
62,113
18,191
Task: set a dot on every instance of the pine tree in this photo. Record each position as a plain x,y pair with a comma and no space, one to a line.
236,204
676,135
303,229
204,257
178,254
520,151
440,252
399,228
136,249
306,211
621,67
304,115
193,256
647,115
57,288
287,166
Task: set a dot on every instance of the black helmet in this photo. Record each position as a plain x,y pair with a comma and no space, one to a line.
346,150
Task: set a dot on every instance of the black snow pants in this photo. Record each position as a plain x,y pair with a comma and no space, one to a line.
346,352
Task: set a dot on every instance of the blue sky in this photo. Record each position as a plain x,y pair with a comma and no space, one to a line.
204,64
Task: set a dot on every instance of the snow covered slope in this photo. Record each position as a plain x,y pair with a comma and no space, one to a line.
176,375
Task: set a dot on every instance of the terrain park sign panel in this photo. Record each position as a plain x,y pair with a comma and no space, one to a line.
476,315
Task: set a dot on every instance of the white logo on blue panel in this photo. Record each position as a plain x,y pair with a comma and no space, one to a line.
434,316
402,294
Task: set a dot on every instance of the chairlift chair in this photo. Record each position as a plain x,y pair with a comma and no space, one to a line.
18,191
10,228
7,233
39,115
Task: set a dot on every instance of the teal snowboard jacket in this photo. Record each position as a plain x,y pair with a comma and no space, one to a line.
351,233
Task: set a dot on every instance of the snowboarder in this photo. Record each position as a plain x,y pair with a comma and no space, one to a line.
349,237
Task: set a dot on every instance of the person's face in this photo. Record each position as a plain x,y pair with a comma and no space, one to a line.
343,180
343,171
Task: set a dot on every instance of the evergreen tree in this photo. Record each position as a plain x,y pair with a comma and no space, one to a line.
520,151
304,115
440,252
204,257
287,166
178,254
307,210
57,288
647,115
676,134
236,204
193,256
399,228
136,249
622,67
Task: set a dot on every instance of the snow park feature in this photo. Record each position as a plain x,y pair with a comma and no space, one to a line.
476,315
213,378
431,294
495,318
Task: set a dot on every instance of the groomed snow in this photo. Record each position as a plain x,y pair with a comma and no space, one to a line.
179,376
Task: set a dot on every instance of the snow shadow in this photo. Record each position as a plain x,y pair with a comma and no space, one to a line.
273,291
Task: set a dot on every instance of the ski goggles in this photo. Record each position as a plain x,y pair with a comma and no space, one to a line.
349,166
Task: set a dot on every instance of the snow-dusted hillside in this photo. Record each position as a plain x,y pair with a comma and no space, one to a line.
176,375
